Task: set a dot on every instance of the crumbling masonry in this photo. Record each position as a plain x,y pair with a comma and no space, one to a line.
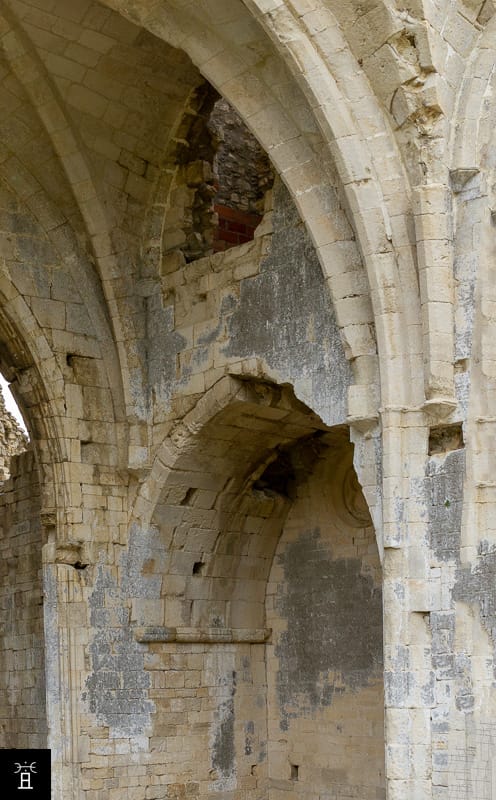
248,309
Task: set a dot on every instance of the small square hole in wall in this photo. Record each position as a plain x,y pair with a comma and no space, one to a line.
445,438
198,567
188,497
294,772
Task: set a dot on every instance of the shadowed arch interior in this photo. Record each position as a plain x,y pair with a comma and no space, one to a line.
260,538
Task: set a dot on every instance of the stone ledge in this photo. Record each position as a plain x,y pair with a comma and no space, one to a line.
157,633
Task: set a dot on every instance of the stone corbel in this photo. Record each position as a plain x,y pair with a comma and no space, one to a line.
71,552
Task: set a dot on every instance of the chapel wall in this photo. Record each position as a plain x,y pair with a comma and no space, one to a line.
22,655
324,660
260,308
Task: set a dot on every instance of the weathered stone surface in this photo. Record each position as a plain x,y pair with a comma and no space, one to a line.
233,237
22,662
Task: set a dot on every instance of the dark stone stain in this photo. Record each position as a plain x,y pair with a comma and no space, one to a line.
249,734
163,344
475,585
443,642
223,750
285,316
464,690
291,466
334,616
223,747
117,687
444,492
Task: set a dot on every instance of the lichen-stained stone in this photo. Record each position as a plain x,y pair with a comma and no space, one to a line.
247,307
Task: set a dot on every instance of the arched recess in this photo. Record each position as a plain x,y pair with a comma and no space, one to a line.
252,553
206,494
258,84
325,686
212,163
334,151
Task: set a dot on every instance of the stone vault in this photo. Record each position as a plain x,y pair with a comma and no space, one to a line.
246,307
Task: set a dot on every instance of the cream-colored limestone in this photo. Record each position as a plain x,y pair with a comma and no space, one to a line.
190,577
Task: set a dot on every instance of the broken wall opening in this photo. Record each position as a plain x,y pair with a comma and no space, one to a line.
217,198
13,439
242,176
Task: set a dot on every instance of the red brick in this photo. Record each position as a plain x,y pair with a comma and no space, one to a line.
236,215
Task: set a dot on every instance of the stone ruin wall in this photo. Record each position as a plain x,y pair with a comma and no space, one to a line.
23,721
242,170
182,382
22,659
209,716
12,439
220,180
196,718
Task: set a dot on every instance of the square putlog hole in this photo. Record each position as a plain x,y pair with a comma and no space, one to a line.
445,438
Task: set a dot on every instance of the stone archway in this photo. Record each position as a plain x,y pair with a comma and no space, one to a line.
23,717
254,491
23,709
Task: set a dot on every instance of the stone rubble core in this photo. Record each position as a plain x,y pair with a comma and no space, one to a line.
246,307
13,440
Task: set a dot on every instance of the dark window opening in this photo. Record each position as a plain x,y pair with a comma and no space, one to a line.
445,438
223,175
242,176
